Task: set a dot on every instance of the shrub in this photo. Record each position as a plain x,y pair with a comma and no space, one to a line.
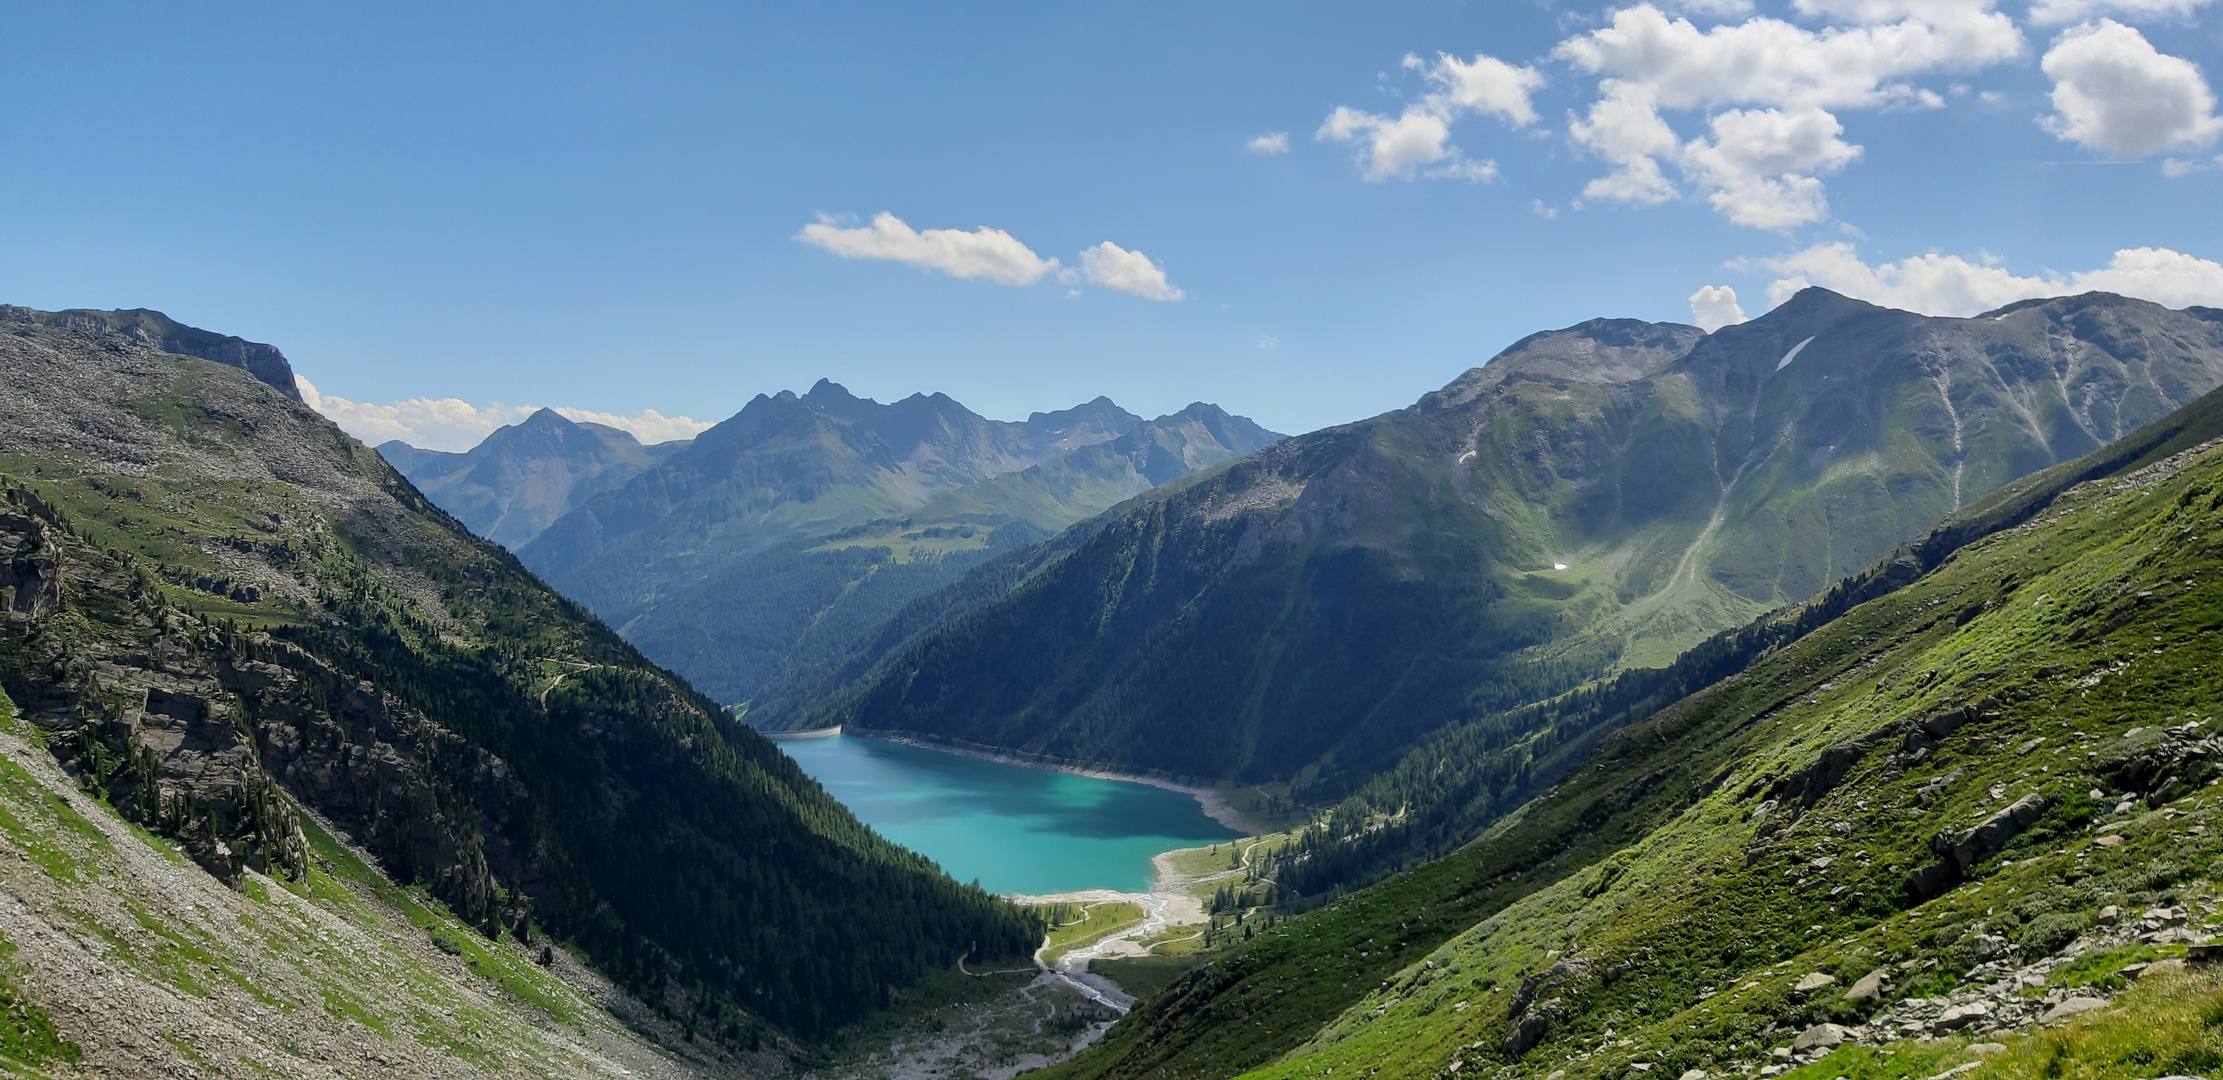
2049,934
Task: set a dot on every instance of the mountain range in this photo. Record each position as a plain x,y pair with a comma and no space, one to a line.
1593,499
522,477
761,550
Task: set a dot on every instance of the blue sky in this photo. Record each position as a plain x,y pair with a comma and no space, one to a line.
435,209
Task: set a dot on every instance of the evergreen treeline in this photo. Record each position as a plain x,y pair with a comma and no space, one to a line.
678,847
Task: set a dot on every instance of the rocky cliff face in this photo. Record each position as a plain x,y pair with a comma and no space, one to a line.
264,362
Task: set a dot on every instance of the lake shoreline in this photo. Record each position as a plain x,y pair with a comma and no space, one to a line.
1211,801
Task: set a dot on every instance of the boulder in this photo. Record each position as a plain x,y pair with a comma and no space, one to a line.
2074,1006
1973,845
1820,1037
1694,1074
2110,915
1869,987
1987,1048
1960,1016
1809,983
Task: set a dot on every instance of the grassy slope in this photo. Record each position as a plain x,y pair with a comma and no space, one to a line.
1457,782
1275,992
210,959
2094,623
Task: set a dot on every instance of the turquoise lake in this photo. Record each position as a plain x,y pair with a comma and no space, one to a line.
1018,830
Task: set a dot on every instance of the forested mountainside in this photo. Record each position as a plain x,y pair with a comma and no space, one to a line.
778,538
1595,498
223,611
523,476
1976,797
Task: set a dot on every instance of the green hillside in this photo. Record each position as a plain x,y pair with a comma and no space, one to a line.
1969,801
223,612
1454,784
1594,499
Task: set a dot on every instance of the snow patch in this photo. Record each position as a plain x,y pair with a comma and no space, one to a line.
1793,354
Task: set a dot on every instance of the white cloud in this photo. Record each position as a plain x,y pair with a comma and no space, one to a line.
1764,61
2114,92
456,425
1391,148
2163,276
1718,9
650,427
1935,284
2062,12
1132,272
1715,306
1761,167
1269,144
982,253
1419,138
1485,85
1624,128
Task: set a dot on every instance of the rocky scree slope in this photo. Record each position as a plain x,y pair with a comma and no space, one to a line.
1930,814
221,609
523,476
1311,612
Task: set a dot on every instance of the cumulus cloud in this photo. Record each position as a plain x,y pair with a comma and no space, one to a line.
1131,272
650,427
1761,163
1715,306
456,425
2061,12
987,253
1276,142
1389,147
1936,284
1761,167
2114,92
1417,141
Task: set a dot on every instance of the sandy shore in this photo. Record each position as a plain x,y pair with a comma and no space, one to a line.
1212,802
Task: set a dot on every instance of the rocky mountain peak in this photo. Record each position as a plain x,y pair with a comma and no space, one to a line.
264,362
